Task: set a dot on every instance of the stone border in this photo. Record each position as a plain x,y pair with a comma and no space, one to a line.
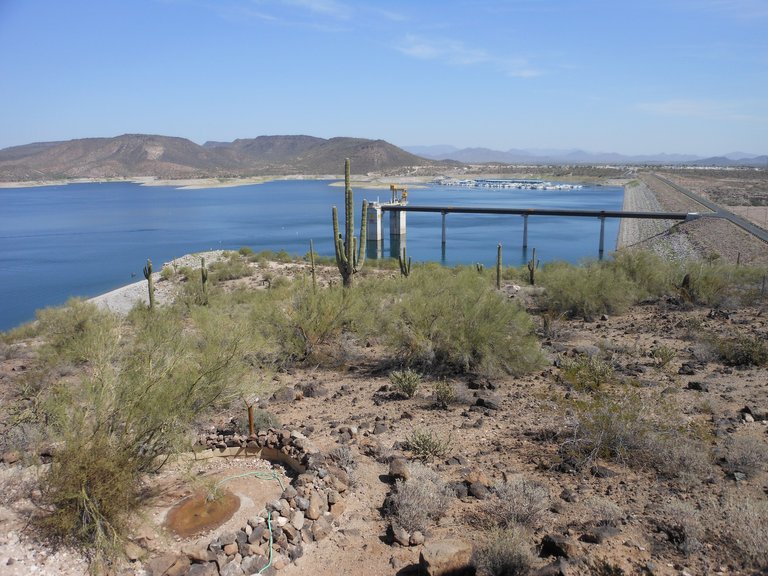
304,512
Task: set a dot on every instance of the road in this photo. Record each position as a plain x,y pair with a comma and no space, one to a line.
719,211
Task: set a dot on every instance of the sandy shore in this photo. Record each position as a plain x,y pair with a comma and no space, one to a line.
122,300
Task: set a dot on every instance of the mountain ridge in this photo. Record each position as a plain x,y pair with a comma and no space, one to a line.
481,155
137,155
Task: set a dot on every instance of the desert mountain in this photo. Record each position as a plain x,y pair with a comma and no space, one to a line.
525,156
132,155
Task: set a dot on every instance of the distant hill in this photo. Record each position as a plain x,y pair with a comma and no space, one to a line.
517,156
133,155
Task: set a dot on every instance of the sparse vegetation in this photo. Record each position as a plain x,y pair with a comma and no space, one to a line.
405,382
427,445
504,552
519,500
419,500
586,372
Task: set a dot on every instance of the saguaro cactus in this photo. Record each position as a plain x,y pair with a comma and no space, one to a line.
532,265
312,263
498,267
150,283
204,279
405,263
350,253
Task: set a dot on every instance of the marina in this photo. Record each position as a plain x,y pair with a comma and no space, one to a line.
507,183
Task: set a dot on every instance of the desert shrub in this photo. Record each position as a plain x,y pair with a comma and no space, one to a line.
682,524
624,426
230,268
588,290
517,501
344,458
89,492
716,283
745,454
444,393
650,274
135,401
76,333
742,351
262,420
602,511
419,500
747,525
304,319
586,372
662,355
608,425
245,251
504,552
405,382
446,321
427,445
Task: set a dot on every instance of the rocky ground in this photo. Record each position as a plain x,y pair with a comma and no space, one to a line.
616,517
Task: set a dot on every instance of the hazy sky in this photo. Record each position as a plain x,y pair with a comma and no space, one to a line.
629,76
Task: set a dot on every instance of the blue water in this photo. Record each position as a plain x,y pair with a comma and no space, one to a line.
85,239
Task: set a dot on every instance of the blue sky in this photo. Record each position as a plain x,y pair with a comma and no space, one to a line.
635,77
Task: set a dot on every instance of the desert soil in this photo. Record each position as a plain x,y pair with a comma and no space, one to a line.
519,436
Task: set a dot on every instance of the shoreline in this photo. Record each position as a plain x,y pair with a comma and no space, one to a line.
367,182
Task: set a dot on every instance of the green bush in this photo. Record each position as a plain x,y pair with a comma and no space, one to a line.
427,445
405,382
742,351
453,321
232,267
135,400
586,372
588,290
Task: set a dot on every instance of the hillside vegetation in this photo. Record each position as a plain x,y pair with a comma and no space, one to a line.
619,417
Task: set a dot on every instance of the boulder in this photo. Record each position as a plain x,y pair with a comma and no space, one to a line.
451,557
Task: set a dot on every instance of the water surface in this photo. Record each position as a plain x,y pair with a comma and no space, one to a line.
86,239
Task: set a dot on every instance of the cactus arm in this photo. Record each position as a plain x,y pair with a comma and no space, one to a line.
363,235
349,213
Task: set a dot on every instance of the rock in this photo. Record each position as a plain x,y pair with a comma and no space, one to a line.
11,457
452,557
557,568
478,490
417,538
158,565
134,552
253,564
569,495
557,545
399,469
601,471
232,569
400,535
227,538
297,519
380,428
699,386
207,569
686,370
320,529
231,549
598,535
316,506
180,567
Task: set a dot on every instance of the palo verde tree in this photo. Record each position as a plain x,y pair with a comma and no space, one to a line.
350,253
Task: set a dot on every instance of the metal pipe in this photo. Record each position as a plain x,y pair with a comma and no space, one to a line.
443,213
601,249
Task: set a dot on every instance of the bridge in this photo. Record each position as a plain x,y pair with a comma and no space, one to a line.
398,210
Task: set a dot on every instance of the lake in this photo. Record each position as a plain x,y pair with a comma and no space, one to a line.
86,239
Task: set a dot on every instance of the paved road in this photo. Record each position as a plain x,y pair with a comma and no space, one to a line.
719,211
